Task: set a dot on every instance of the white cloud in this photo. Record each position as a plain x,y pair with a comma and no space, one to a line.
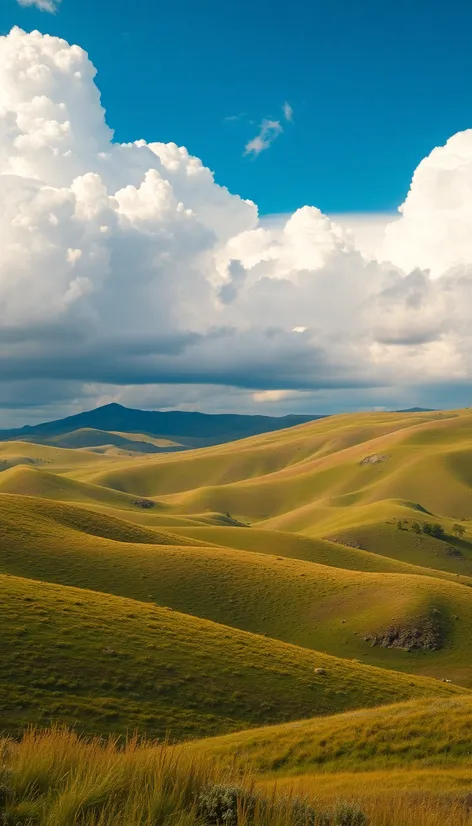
269,130
43,5
127,266
288,111
233,118
271,396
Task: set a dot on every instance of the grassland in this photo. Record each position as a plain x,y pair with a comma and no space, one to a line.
419,735
58,779
216,591
316,606
108,664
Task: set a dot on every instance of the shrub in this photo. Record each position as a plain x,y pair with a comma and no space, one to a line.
416,527
218,805
298,811
223,805
349,814
434,529
458,530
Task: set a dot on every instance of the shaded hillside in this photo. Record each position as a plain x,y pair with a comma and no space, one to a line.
186,428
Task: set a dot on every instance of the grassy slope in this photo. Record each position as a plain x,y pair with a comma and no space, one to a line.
307,476
311,549
156,670
310,479
32,525
30,481
290,452
91,437
316,606
417,734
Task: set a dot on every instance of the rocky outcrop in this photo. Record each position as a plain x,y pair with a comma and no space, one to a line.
374,459
424,635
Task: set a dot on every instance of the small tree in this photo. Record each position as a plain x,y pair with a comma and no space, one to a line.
458,530
437,530
400,524
427,527
416,527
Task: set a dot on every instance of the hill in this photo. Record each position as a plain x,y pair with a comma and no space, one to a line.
405,735
161,671
284,579
186,429
347,613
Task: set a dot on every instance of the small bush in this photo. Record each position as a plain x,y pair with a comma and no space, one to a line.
298,811
416,527
434,529
349,814
219,805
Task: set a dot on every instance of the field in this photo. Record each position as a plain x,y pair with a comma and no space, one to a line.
286,596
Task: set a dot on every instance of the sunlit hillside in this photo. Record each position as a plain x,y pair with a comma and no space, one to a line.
277,593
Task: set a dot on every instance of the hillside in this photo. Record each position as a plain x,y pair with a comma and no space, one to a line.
184,429
282,580
317,606
410,735
162,671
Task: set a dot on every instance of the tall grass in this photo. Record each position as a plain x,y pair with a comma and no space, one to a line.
57,778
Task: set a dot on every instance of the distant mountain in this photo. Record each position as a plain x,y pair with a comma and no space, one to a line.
183,429
417,410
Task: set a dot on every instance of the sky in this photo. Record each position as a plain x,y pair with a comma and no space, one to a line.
199,205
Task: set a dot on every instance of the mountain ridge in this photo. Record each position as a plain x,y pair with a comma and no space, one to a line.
192,429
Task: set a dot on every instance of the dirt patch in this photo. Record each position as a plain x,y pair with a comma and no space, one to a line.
374,459
424,635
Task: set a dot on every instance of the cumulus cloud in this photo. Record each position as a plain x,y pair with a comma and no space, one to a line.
43,5
126,266
269,130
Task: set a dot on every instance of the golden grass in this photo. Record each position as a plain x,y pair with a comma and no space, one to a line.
418,734
56,778
59,779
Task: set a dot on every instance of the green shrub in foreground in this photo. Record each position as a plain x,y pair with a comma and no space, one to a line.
349,814
225,805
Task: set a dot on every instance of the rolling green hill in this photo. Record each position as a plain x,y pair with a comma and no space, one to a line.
412,734
107,664
320,607
283,579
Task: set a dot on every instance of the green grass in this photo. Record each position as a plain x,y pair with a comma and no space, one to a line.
375,554
319,607
172,619
59,779
108,664
414,735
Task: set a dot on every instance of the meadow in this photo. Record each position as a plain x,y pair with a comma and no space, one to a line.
276,610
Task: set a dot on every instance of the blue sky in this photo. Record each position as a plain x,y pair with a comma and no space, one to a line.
374,86
128,275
